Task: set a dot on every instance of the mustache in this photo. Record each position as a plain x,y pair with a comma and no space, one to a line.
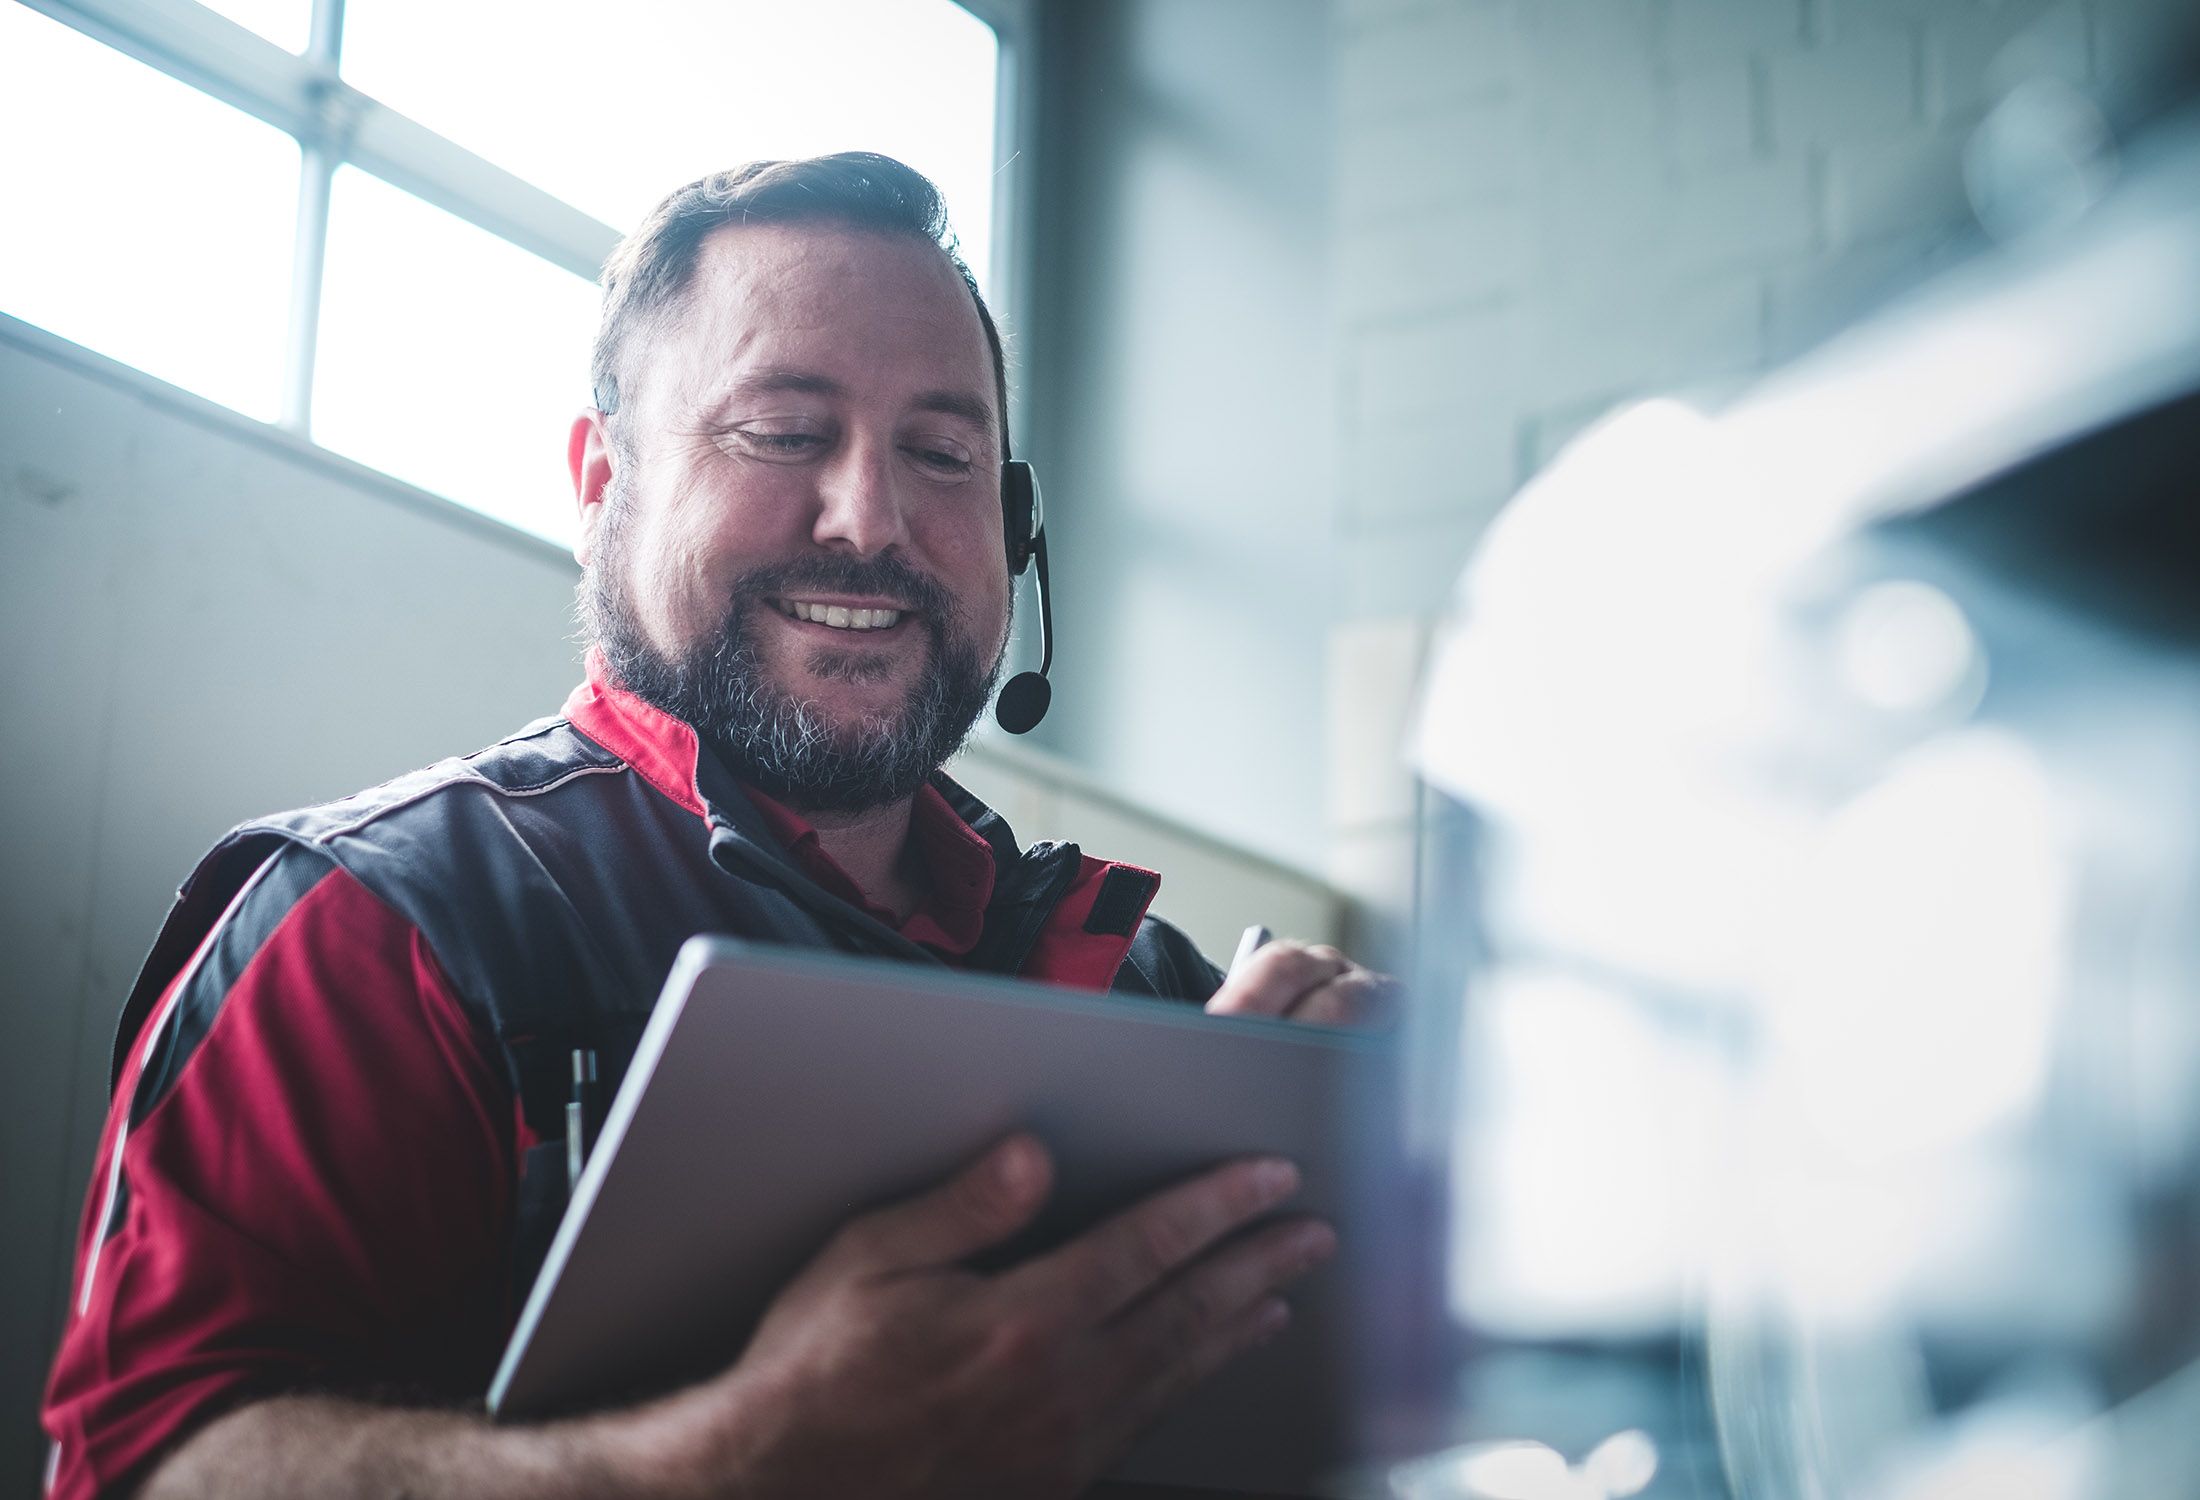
885,575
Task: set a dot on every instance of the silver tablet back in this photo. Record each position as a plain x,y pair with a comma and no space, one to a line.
778,1092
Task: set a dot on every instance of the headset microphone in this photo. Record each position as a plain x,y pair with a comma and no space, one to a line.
1023,701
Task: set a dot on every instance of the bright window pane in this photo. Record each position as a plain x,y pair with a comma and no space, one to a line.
142,218
612,111
449,357
286,23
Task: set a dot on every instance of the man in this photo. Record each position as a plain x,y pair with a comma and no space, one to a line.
335,1154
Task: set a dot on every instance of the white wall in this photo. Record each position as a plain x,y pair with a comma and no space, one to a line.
1182,387
1548,207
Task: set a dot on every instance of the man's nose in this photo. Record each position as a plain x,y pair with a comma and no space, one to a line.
859,502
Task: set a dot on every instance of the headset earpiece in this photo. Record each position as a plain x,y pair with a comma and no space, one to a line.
1021,516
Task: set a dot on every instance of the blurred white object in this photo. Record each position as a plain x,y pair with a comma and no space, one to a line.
1620,1466
1826,769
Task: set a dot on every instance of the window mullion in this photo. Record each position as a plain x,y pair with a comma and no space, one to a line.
319,154
209,52
316,167
303,95
439,171
326,45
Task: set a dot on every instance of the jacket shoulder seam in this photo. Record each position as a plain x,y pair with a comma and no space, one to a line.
322,824
468,778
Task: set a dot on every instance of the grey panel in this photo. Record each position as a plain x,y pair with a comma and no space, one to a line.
61,471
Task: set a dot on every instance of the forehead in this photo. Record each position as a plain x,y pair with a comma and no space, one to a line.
879,313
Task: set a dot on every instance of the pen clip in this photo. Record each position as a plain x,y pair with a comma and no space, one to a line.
580,1117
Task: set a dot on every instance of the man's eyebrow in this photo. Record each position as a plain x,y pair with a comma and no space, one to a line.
772,381
972,409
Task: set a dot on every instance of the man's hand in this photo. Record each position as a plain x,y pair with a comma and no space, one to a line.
1306,982
887,1369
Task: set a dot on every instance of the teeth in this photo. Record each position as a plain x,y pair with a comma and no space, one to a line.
839,616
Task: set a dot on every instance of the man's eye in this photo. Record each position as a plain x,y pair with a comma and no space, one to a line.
941,461
783,444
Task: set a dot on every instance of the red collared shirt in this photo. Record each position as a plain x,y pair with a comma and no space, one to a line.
956,861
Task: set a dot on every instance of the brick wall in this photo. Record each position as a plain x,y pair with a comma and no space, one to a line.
1546,207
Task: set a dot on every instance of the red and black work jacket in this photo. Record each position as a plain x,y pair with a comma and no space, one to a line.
543,886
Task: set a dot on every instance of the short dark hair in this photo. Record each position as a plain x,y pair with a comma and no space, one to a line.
652,268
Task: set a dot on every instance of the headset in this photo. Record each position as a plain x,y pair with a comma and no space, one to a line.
1024,699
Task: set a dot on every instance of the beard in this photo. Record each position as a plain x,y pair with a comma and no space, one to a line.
782,744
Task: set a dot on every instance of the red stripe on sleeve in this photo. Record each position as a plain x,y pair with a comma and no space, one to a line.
323,1196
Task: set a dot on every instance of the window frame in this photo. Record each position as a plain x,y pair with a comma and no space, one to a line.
305,95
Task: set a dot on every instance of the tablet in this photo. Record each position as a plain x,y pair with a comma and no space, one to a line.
777,1092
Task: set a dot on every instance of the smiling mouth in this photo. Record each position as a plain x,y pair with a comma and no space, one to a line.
838,616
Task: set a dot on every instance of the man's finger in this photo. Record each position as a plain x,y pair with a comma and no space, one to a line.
1274,979
1357,998
1112,1265
1175,1324
1142,1403
1206,1316
981,1205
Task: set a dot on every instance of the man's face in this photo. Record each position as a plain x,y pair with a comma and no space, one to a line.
799,546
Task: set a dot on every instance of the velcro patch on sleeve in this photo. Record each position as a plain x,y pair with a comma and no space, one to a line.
1122,901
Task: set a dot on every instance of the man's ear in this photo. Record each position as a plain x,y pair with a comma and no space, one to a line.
588,457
